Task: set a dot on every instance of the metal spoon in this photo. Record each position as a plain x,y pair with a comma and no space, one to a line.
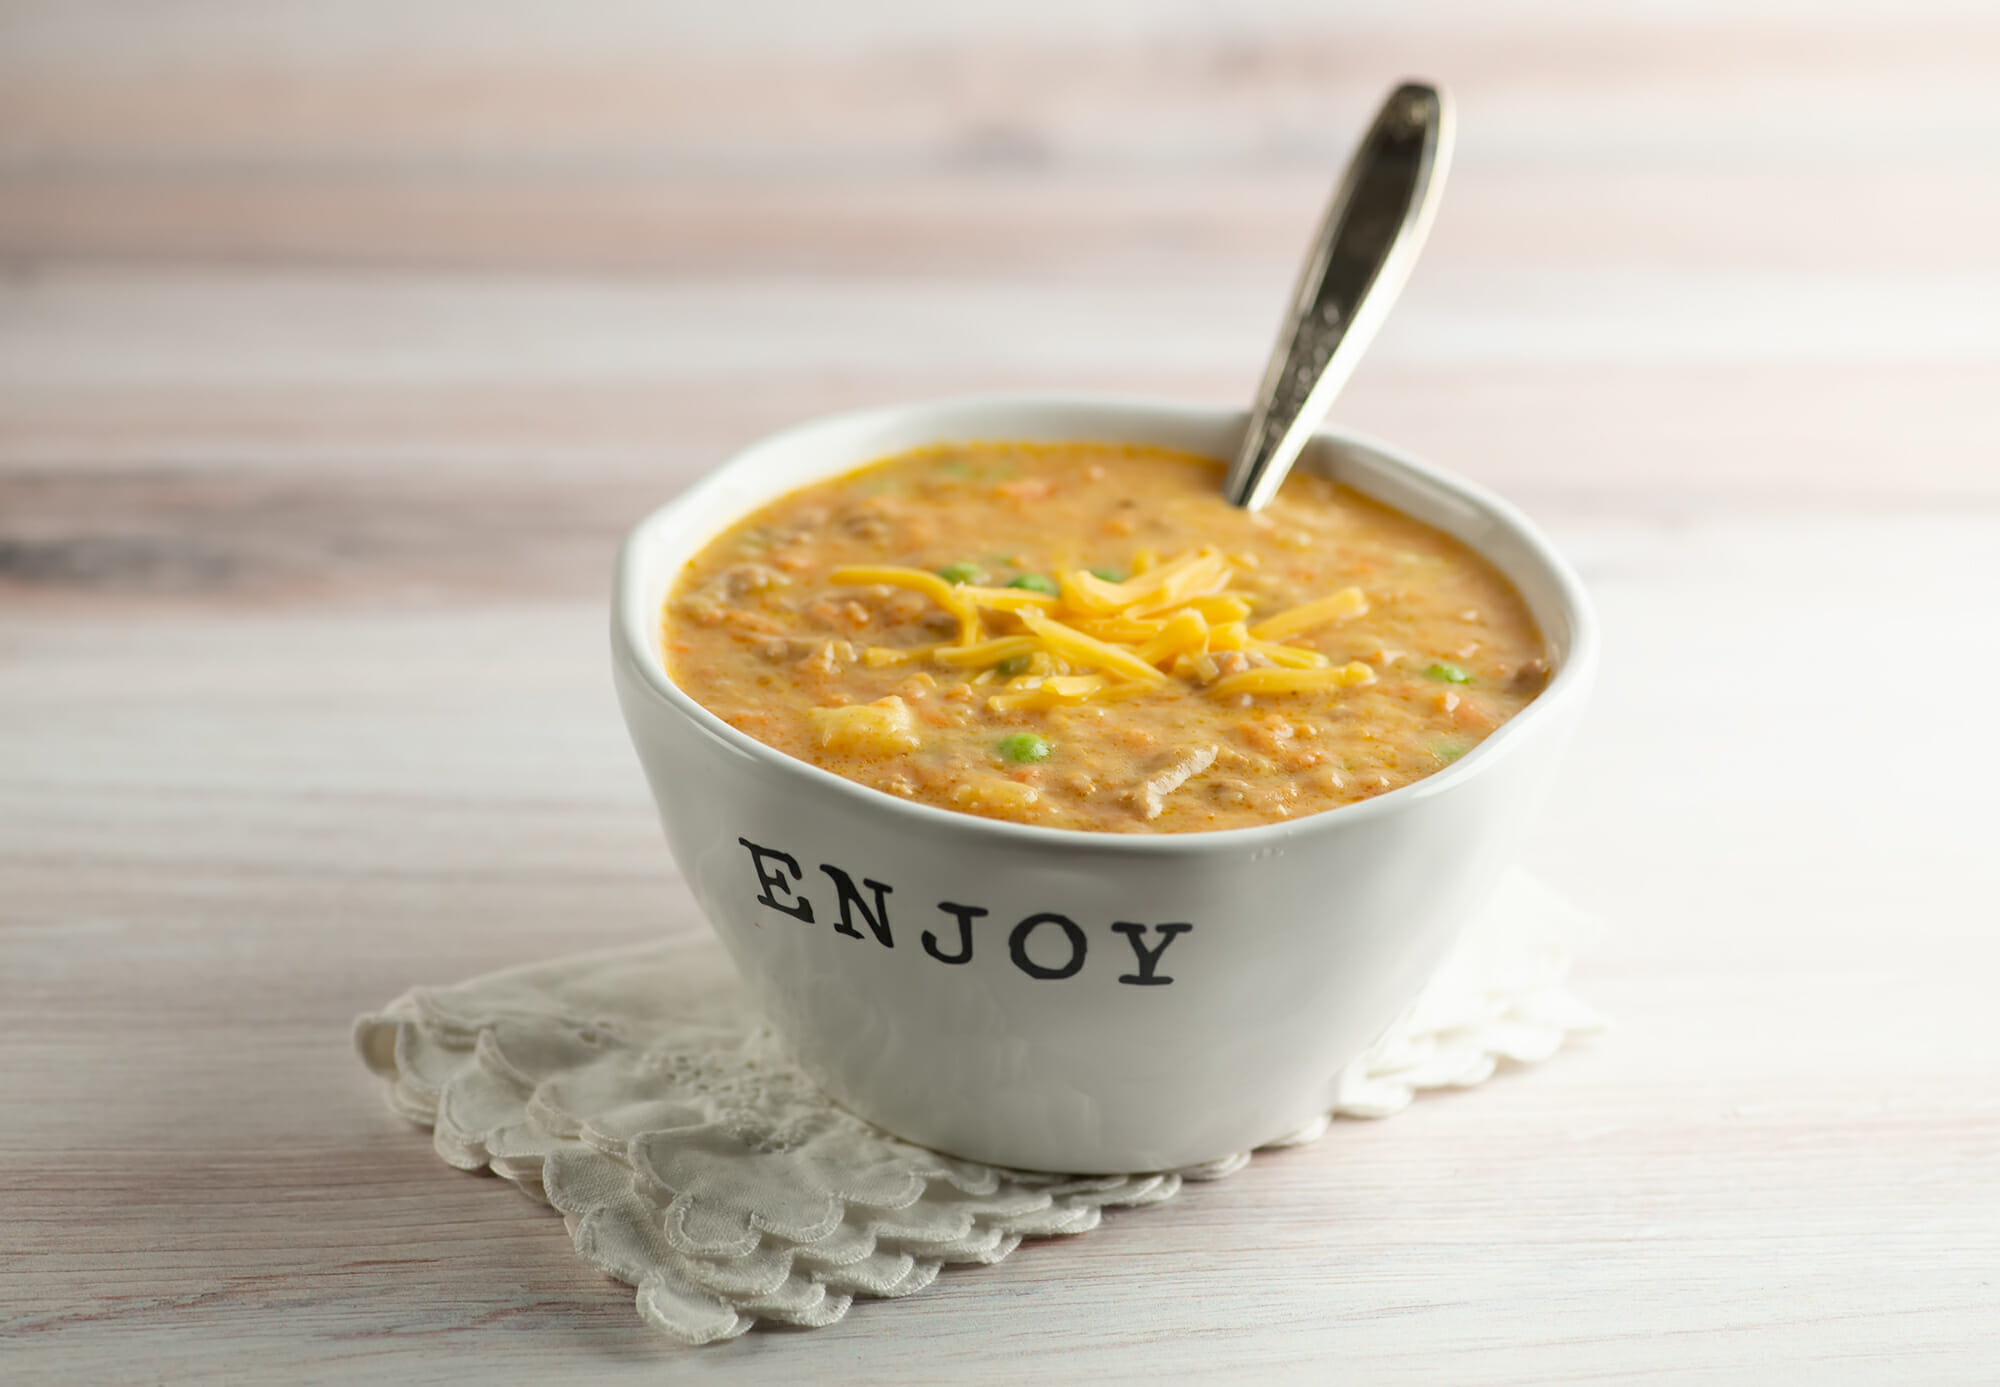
1363,253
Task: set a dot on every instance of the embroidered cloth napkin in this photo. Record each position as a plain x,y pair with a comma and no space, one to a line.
638,1093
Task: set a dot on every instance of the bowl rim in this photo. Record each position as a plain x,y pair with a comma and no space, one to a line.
632,619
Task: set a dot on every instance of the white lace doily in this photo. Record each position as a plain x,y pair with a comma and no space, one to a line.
638,1093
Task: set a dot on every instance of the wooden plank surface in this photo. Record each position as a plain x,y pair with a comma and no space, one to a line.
338,346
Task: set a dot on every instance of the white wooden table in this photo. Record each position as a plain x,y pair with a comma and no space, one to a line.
337,347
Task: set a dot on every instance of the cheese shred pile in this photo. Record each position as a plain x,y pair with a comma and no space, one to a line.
1097,640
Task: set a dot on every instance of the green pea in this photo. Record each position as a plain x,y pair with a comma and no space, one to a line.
963,573
1037,582
1023,747
1011,666
1450,674
1109,575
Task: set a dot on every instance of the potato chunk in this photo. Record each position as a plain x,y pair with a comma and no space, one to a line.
882,728
997,798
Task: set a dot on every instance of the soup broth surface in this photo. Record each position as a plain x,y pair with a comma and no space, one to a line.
1087,636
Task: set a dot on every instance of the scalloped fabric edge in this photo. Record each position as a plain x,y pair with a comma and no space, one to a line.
636,1093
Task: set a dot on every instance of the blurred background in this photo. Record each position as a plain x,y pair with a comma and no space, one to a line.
317,298
341,342
339,345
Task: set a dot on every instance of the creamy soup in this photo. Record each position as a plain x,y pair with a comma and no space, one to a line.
1086,636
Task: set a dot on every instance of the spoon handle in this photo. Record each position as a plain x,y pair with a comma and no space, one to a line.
1360,258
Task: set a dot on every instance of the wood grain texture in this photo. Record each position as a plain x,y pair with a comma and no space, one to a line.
339,345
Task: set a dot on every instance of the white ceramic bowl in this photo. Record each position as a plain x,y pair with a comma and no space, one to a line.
1057,1045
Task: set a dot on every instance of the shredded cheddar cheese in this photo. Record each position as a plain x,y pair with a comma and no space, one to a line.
929,584
1294,680
1335,606
1094,639
987,652
881,656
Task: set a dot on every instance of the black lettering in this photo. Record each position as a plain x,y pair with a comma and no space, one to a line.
850,902
1017,945
966,914
773,881
1149,959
